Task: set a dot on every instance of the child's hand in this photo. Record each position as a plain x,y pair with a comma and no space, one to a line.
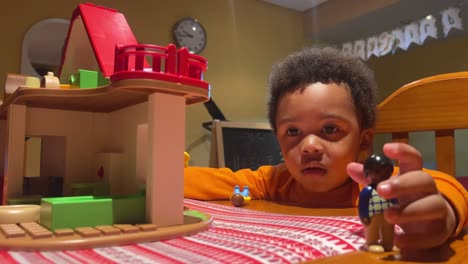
426,218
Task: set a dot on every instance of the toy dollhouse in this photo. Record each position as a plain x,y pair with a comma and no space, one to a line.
123,133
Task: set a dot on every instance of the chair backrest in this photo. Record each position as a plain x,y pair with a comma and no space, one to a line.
438,103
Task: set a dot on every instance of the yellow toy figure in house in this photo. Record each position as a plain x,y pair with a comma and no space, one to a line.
186,159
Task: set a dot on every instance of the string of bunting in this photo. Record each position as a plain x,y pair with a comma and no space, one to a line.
402,38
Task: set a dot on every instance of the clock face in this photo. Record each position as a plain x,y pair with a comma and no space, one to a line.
189,33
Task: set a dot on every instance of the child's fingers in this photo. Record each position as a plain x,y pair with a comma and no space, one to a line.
408,187
435,237
431,207
422,234
426,223
355,171
409,158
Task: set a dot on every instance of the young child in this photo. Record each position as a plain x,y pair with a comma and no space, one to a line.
322,109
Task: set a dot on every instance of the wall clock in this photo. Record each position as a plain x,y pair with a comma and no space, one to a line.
189,33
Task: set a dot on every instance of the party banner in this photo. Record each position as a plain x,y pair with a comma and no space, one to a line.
414,33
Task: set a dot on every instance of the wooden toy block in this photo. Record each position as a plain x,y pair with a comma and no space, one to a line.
36,234
147,227
125,228
36,231
28,224
87,232
108,230
12,230
63,232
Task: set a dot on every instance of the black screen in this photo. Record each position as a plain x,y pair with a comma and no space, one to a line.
250,148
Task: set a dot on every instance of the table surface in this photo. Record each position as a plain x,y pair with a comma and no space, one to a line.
260,232
454,251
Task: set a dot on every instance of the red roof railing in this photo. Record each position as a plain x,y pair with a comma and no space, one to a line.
144,61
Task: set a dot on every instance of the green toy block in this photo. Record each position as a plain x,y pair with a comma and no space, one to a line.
85,79
27,199
82,189
77,211
102,80
129,209
90,188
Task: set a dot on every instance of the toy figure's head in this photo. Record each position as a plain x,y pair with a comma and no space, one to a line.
378,168
237,199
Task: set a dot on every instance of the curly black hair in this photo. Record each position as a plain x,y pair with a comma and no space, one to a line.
325,65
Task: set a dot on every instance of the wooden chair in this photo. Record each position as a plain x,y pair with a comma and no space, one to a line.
438,103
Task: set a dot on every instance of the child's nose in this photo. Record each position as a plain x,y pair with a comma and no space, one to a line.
311,144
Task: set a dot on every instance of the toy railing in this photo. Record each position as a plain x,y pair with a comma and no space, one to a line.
159,63
140,53
191,67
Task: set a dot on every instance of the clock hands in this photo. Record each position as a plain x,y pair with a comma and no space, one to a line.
190,35
186,34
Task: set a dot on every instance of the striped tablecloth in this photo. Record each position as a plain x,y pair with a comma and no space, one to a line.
238,235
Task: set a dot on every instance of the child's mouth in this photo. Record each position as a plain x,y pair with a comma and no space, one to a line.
314,171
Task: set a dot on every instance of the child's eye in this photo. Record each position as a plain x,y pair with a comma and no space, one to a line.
293,132
329,130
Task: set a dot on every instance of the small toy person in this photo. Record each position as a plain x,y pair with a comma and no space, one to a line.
239,198
378,232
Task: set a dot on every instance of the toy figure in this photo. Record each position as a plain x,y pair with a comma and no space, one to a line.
239,198
378,232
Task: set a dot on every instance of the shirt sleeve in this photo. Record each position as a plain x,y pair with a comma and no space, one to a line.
455,193
203,183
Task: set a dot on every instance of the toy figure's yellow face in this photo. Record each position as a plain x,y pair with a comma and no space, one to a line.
319,134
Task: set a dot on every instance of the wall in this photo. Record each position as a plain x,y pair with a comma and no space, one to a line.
85,135
439,56
123,131
245,37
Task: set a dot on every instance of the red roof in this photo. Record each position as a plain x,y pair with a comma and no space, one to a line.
105,28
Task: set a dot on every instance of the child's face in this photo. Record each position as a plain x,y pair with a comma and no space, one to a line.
319,134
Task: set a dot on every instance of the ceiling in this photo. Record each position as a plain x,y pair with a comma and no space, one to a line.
298,5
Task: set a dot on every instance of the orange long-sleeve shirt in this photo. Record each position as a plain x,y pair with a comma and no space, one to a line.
275,183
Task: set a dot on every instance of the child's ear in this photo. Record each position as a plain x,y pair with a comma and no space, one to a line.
366,142
367,138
